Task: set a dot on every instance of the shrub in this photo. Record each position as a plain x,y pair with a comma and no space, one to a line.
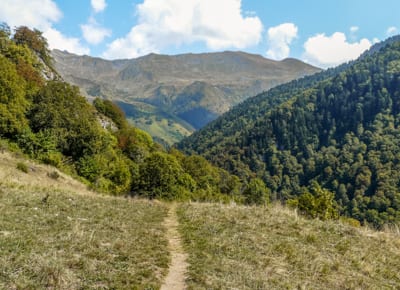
316,203
22,167
54,175
256,192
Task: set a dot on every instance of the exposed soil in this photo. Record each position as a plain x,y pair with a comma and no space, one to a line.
176,274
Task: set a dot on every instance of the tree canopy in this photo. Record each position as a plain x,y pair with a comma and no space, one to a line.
339,128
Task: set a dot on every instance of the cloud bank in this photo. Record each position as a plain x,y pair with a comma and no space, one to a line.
328,51
164,23
279,38
40,14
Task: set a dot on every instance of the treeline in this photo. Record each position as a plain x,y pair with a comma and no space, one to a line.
338,129
50,121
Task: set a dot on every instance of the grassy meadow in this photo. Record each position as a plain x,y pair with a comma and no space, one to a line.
238,247
51,239
54,234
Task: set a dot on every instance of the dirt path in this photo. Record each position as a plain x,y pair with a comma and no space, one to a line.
176,276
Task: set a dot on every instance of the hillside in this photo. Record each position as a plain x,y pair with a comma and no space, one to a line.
47,120
237,247
55,234
186,91
338,128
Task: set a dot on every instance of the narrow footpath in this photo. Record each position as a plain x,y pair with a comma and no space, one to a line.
175,279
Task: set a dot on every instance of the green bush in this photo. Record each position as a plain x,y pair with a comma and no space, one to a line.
256,192
161,176
316,203
22,167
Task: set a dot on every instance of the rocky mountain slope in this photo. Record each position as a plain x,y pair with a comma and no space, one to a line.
177,94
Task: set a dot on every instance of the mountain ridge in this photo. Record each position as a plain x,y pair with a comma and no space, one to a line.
210,83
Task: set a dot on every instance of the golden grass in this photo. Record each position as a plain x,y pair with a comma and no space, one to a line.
54,238
55,234
37,175
237,247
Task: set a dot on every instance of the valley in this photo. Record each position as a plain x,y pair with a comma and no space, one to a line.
278,178
184,91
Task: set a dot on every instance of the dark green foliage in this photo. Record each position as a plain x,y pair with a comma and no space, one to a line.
161,176
135,143
340,128
111,110
316,203
35,41
59,108
108,171
256,192
13,104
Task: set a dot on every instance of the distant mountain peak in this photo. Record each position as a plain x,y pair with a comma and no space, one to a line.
170,83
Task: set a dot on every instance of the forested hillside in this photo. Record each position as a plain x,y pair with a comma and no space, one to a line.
336,131
171,96
48,120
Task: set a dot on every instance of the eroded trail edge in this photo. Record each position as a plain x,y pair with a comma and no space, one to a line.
177,269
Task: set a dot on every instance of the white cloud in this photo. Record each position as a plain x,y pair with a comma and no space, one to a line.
93,32
354,29
392,30
280,37
98,5
57,40
328,51
219,24
40,14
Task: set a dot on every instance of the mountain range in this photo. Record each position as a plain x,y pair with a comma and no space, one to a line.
172,96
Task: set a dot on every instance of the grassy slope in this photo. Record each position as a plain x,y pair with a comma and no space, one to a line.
79,240
75,240
272,248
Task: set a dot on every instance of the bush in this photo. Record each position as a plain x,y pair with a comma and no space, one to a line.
54,175
161,176
256,192
316,203
22,167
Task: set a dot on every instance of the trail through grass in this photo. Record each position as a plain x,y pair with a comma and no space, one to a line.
175,279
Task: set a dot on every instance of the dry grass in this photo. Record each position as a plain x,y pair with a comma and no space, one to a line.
236,247
55,239
36,175
59,240
51,238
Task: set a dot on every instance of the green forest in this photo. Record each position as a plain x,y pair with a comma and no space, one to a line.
334,133
48,120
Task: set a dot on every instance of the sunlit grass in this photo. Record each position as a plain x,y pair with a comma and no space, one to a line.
51,239
237,247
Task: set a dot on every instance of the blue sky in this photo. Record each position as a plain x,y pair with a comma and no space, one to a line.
321,32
